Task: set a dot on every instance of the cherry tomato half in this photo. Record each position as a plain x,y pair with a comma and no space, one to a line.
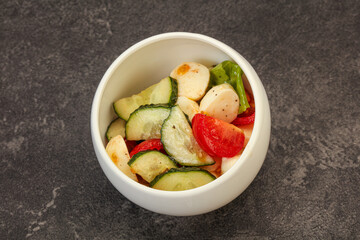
130,144
151,144
239,120
216,137
245,118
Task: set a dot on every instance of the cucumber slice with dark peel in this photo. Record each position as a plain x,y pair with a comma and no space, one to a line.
149,164
179,142
179,179
164,92
116,127
145,122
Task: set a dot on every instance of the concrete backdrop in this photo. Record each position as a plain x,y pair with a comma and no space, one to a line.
53,55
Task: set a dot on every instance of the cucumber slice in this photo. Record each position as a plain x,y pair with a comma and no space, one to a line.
164,92
116,127
146,121
179,179
179,142
149,164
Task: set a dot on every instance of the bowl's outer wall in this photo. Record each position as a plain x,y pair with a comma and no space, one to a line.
145,64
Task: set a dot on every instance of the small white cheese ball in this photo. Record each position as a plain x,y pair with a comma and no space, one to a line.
188,106
193,80
221,102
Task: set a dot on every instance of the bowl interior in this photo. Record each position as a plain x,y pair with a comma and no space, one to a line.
147,63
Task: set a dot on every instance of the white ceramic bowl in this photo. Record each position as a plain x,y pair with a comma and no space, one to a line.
146,63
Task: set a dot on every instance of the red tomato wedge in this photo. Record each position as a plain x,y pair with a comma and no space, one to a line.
244,120
216,137
151,144
130,144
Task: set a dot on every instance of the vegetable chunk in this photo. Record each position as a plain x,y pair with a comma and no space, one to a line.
193,79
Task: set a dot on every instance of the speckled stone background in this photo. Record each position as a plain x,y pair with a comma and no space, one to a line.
53,55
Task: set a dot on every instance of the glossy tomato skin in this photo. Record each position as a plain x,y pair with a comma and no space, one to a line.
151,144
240,120
130,144
245,118
216,137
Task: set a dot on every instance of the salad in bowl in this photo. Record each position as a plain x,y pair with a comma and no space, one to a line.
184,131
173,128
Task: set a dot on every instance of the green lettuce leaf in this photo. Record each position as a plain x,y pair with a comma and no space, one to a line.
229,72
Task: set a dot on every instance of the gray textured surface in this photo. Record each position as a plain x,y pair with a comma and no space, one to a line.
53,55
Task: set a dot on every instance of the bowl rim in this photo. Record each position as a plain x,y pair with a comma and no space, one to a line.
254,82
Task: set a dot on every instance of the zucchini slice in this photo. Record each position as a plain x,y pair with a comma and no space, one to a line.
179,179
146,121
179,141
149,164
116,127
164,92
